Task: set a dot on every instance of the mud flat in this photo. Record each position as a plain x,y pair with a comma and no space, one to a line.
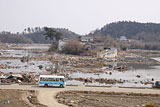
107,99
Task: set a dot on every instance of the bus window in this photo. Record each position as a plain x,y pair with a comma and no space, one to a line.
57,79
41,79
49,79
61,79
54,79
45,79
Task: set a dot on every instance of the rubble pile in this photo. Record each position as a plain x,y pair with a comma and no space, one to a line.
24,59
100,80
5,66
75,61
18,78
107,81
84,63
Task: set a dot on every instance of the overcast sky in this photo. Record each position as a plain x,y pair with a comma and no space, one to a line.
80,16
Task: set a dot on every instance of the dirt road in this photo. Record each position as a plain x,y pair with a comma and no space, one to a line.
47,95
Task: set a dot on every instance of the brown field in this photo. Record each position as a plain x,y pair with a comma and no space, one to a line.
107,99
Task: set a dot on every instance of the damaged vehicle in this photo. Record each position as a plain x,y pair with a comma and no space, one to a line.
156,84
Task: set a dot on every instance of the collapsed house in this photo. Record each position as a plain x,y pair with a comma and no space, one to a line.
108,53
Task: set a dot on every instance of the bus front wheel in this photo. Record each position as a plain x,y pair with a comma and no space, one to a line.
46,85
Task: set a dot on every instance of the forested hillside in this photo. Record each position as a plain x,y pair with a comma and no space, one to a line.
32,35
148,32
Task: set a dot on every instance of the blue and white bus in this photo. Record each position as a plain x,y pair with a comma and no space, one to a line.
51,80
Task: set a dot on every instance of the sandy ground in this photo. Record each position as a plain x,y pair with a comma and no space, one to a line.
47,96
18,98
8,98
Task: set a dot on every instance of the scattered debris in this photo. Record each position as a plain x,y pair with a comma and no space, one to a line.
40,67
24,59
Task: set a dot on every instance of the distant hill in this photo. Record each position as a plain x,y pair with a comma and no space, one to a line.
148,32
14,38
32,35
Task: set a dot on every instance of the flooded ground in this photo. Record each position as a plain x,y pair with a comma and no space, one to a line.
32,66
14,53
23,51
130,78
15,65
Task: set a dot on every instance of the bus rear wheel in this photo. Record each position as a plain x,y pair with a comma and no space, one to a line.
61,86
46,85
